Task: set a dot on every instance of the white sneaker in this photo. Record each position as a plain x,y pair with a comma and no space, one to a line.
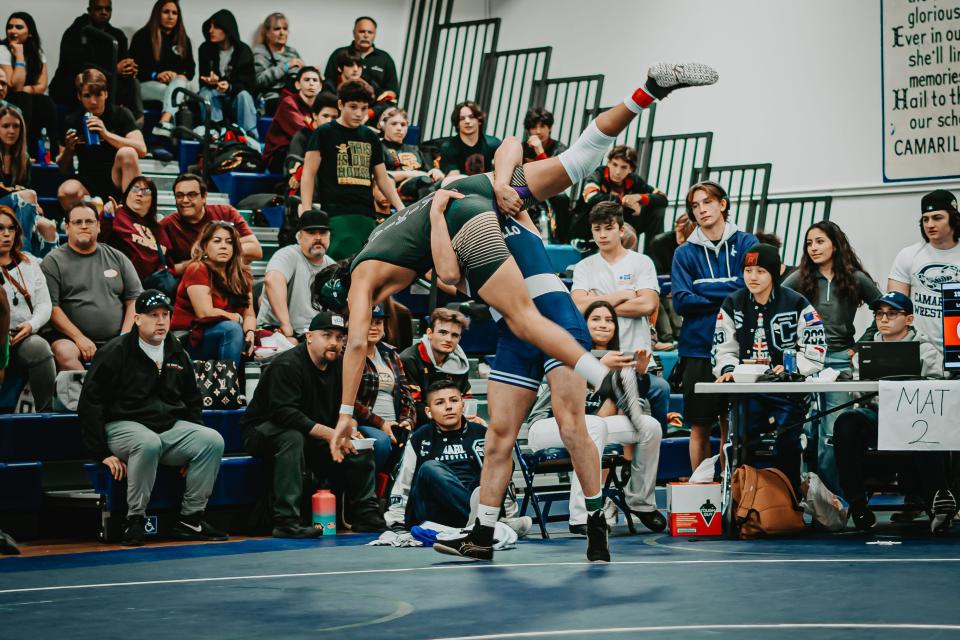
520,525
610,512
163,129
664,77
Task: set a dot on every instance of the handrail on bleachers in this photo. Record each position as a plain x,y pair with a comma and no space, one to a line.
509,75
748,186
667,169
790,217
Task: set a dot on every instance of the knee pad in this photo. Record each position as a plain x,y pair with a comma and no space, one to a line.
586,153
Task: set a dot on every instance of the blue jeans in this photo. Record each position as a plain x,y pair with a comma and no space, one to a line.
381,448
244,109
659,397
221,341
438,495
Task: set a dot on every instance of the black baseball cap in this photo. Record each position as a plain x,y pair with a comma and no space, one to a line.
938,200
152,299
314,219
327,320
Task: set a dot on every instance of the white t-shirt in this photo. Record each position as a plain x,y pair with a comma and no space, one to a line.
633,272
153,351
6,58
383,406
291,262
926,269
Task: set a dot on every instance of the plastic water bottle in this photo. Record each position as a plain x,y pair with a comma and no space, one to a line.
43,147
92,138
325,512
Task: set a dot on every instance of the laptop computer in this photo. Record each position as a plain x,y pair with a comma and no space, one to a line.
880,360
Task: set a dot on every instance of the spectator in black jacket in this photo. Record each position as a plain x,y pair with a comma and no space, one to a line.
80,50
441,464
643,204
164,57
227,77
437,356
378,67
140,407
288,422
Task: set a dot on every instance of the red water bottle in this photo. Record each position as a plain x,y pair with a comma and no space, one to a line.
325,512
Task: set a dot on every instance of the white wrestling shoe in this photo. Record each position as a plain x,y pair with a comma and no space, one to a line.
664,77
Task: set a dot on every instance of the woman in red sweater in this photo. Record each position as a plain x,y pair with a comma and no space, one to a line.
134,229
214,299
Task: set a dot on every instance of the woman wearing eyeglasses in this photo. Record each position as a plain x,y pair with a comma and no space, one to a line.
831,276
134,229
214,298
26,289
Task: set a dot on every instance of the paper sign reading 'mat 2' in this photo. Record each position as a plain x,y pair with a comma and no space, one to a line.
919,415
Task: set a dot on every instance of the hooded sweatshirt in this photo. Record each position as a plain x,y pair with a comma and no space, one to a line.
78,51
704,273
421,369
239,72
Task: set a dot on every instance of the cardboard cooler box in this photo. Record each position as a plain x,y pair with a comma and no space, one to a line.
694,509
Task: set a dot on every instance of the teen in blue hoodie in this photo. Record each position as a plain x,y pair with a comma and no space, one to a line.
706,269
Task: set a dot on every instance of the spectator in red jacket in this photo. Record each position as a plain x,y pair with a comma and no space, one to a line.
134,229
193,213
295,112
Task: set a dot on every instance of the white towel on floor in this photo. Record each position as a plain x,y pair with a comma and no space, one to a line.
395,539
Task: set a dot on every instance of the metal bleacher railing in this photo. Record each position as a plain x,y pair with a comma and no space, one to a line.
747,185
671,159
789,218
453,74
567,98
425,16
506,86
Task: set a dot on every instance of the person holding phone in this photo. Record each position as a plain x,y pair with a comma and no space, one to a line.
606,424
384,394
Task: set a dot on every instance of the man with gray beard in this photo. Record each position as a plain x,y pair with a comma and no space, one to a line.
285,304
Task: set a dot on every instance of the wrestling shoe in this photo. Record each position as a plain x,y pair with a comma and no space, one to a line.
8,546
620,385
652,520
465,546
944,510
863,518
598,548
665,77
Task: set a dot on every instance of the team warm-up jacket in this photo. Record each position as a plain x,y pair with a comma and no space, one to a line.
703,274
789,322
125,384
426,444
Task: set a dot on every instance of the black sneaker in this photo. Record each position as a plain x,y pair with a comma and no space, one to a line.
652,520
863,518
296,530
665,77
8,546
944,510
578,529
598,548
620,385
465,546
194,527
369,523
134,532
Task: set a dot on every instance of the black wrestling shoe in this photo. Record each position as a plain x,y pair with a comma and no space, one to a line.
652,520
8,546
578,529
370,524
620,385
296,531
194,527
467,546
598,547
944,510
134,532
665,77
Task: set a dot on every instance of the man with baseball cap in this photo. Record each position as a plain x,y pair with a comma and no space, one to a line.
140,407
920,270
290,421
855,430
285,304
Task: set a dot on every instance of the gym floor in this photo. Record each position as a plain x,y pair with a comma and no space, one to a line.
897,583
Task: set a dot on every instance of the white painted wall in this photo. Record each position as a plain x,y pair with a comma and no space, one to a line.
799,87
317,27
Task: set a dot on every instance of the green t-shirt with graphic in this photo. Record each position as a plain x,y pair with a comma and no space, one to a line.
347,159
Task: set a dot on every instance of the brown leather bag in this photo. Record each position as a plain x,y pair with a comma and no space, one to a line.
765,503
